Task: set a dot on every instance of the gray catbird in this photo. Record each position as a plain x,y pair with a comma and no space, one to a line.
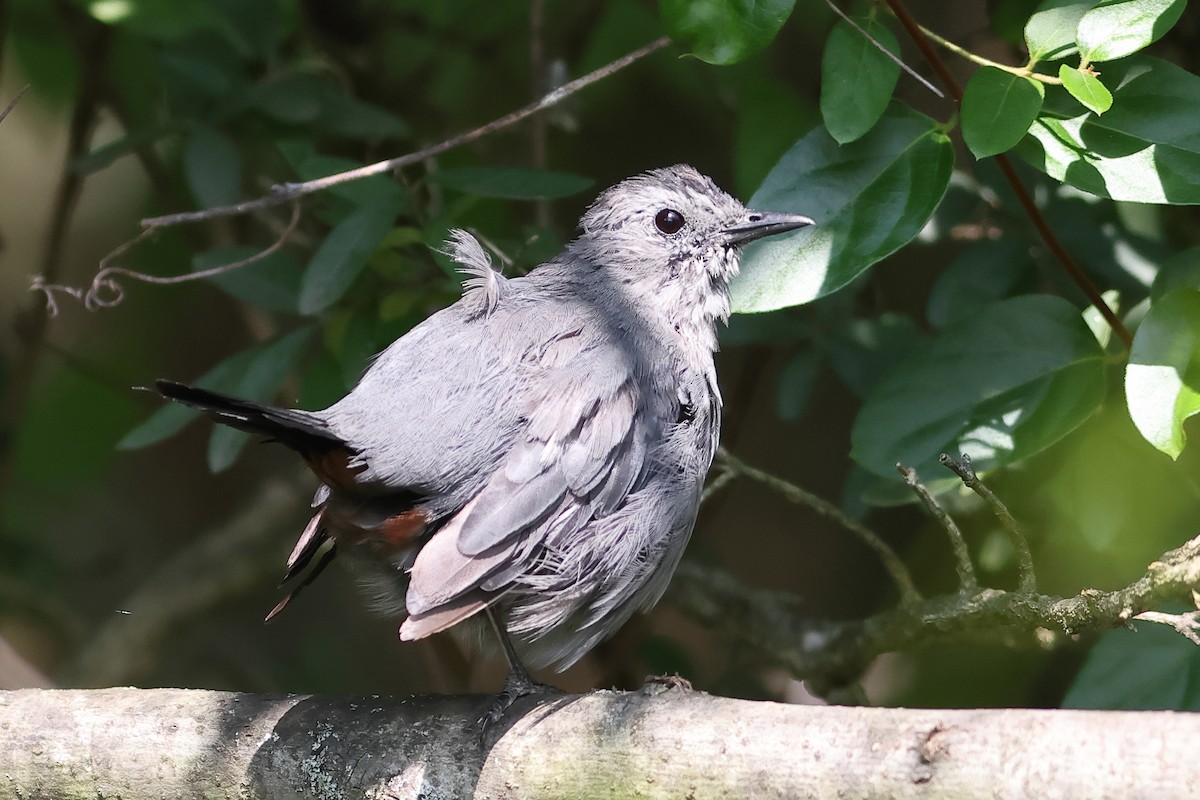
537,450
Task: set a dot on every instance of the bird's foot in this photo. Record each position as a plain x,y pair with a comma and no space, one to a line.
657,684
518,684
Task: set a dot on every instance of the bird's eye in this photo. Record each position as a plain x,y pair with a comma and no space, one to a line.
668,221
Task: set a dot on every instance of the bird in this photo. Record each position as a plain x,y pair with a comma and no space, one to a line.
531,458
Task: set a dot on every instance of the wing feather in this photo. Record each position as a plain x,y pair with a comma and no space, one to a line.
577,458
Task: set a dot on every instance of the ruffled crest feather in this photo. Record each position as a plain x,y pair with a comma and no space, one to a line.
484,284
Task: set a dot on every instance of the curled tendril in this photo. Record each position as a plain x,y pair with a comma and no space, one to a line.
106,292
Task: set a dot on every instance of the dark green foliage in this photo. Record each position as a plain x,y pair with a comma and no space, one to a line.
923,313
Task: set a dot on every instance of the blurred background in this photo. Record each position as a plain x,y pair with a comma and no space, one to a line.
125,559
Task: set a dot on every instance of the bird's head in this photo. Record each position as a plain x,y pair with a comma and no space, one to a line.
673,235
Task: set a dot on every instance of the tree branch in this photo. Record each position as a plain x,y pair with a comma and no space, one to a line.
286,192
958,543
1027,579
134,743
833,653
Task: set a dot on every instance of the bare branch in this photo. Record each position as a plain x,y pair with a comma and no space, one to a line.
1027,580
286,192
891,562
962,555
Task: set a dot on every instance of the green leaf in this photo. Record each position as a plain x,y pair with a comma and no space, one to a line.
1118,28
272,282
725,31
266,370
997,110
1008,18
770,117
1152,668
987,271
1154,100
796,383
1162,379
342,255
171,418
1095,320
869,198
344,116
513,183
1151,173
857,79
1050,32
1146,149
864,351
104,155
42,44
1180,270
999,386
213,167
1086,88
296,98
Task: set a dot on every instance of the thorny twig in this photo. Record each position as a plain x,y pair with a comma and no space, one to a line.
105,280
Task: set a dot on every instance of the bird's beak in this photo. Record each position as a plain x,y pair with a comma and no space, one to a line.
757,224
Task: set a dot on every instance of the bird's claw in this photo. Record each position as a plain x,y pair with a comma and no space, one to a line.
518,684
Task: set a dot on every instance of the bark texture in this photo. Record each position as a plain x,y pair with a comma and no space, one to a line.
170,743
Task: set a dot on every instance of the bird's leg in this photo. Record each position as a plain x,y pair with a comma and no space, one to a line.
518,684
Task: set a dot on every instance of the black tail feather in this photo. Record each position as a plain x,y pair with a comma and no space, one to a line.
303,432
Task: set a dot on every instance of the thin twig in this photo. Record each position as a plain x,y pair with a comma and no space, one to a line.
718,483
879,46
962,555
282,193
1022,72
13,103
105,282
1026,580
1187,625
891,562
1043,228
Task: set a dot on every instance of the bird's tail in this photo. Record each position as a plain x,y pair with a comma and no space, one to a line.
304,432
